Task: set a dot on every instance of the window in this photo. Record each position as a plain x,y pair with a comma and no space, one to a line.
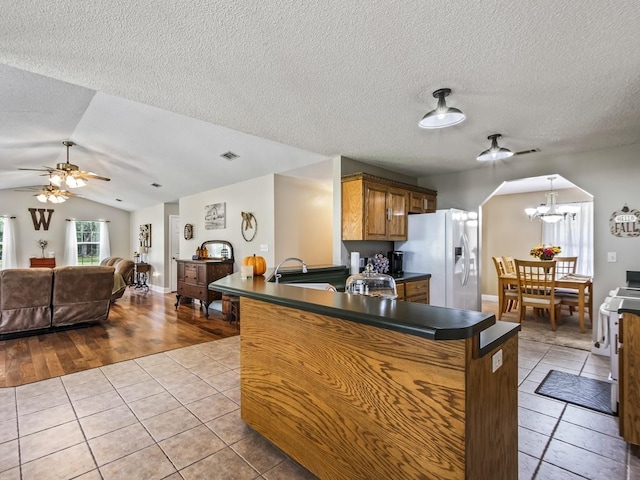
88,236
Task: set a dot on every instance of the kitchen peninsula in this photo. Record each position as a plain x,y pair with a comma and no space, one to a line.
358,387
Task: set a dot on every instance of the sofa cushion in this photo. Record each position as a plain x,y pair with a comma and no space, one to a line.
81,294
25,299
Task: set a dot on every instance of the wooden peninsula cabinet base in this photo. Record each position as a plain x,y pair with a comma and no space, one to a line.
352,401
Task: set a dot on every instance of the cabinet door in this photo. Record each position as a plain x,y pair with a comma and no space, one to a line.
417,202
430,203
398,200
400,291
376,214
417,291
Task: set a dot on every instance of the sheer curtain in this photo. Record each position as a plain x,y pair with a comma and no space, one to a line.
9,258
71,244
575,237
105,244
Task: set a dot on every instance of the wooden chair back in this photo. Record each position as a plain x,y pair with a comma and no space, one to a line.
500,266
509,264
536,287
565,265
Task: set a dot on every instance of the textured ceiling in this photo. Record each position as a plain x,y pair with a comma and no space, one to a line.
334,77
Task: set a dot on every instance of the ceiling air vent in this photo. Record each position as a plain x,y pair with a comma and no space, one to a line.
157,185
229,155
524,152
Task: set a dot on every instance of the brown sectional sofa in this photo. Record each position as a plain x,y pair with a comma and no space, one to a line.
124,268
44,298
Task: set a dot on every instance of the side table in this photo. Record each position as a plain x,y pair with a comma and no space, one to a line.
140,274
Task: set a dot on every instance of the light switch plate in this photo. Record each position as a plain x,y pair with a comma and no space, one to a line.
496,360
264,247
612,257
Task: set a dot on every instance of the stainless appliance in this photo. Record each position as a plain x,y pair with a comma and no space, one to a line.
609,314
395,263
445,244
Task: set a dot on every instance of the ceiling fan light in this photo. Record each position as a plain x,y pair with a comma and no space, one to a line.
41,197
442,116
56,179
80,182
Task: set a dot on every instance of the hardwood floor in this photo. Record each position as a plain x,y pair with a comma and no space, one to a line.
139,324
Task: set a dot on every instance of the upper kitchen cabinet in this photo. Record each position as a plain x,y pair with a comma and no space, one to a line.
375,208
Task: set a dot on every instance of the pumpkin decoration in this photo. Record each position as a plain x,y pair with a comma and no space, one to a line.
258,263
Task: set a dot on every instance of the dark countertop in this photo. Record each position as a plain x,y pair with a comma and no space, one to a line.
435,323
630,305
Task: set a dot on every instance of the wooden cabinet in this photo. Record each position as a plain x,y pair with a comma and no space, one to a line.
42,262
420,202
629,377
413,290
375,208
194,277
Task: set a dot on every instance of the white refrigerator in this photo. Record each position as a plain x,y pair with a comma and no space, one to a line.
445,244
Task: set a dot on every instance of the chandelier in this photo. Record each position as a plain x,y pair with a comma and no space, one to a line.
550,212
52,194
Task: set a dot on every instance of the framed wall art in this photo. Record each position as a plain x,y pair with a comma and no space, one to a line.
145,235
215,216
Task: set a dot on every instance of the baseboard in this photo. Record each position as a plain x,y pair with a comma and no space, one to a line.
489,298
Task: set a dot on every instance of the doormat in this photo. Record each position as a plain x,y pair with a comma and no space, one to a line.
582,391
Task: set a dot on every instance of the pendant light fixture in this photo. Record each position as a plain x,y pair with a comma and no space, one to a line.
495,152
442,116
550,212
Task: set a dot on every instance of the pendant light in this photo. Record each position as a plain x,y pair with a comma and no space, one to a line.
442,116
550,212
495,152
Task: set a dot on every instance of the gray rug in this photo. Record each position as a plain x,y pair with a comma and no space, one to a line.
582,391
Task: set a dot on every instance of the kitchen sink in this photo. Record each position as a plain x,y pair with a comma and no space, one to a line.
336,275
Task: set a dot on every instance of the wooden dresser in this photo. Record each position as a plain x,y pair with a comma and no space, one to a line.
194,277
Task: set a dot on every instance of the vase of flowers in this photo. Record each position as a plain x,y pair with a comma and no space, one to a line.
43,244
545,252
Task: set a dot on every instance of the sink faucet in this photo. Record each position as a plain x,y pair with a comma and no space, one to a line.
279,275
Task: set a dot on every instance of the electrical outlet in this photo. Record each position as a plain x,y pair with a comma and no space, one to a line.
496,360
612,257
264,247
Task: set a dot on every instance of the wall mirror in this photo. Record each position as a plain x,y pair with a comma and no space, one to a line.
218,249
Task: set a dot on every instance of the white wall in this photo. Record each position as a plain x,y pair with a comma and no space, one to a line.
156,253
610,175
255,196
303,220
17,204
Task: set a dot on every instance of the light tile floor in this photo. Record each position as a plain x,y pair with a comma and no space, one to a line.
175,415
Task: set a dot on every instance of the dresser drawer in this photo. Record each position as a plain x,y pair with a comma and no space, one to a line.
192,291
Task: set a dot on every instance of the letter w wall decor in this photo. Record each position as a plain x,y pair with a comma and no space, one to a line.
39,218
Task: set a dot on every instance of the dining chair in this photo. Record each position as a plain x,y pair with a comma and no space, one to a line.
566,266
509,292
536,288
509,264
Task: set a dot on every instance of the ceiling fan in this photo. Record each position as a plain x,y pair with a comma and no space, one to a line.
68,173
49,193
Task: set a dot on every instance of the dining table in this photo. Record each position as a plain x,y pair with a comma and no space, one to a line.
582,284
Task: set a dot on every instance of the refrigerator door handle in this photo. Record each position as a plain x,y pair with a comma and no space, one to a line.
465,259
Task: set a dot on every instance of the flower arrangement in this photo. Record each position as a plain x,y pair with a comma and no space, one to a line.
380,263
43,244
545,252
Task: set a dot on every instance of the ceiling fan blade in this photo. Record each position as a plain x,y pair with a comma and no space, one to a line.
43,169
92,176
525,152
